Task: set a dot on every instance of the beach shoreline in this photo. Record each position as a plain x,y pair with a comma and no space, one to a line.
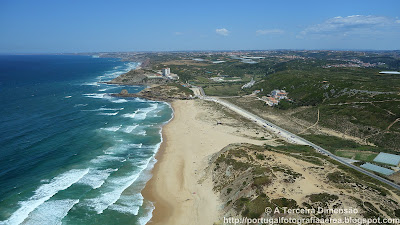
181,187
161,207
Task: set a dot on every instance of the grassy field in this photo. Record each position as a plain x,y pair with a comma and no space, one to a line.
223,90
357,155
334,144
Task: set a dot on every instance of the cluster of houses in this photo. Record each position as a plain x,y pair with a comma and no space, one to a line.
275,96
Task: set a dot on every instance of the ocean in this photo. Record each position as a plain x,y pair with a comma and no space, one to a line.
69,152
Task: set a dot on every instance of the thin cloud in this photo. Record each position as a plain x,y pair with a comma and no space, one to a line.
178,33
222,31
269,31
350,24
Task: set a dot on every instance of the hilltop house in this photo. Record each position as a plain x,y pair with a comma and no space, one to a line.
275,97
270,101
279,94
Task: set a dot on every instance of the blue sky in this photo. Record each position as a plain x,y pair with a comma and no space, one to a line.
148,25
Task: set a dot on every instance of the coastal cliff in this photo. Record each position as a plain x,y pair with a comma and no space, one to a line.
139,77
166,93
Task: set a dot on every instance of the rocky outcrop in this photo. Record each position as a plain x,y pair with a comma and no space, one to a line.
139,77
159,93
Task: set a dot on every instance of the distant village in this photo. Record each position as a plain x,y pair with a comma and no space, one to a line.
354,63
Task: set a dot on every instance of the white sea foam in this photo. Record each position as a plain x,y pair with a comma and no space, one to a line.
136,145
91,83
108,114
113,129
142,114
96,95
95,178
108,87
119,100
146,218
106,158
121,148
131,115
106,96
128,204
69,96
104,109
50,212
153,148
117,186
44,193
129,129
141,132
118,71
116,149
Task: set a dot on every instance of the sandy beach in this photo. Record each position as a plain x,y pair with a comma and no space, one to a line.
180,188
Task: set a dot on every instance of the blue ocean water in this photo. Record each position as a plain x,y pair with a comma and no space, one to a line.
69,152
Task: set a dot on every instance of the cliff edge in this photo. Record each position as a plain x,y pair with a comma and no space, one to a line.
139,77
159,93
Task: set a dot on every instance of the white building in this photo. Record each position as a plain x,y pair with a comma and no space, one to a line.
279,94
271,101
166,71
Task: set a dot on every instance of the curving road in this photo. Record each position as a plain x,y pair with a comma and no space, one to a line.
290,137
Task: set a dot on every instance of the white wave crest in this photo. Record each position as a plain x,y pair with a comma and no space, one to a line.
108,114
51,212
136,145
95,95
141,114
113,129
116,186
95,178
44,193
141,132
131,115
107,109
128,204
120,101
121,148
129,129
106,158
91,83
146,218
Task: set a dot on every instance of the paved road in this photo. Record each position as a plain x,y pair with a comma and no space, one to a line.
292,138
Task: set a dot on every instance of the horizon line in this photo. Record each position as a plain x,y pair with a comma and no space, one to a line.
175,51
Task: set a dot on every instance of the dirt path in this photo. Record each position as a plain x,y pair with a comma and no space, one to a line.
397,120
315,124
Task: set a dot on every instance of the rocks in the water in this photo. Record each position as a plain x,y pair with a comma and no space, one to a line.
124,92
